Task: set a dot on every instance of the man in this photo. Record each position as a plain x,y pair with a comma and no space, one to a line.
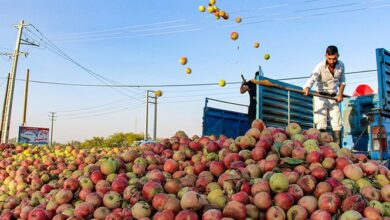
329,76
250,87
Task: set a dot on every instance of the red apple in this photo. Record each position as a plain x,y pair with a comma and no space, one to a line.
329,202
284,200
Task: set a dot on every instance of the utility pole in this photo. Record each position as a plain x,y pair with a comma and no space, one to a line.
155,117
6,120
157,94
2,116
52,118
26,97
147,114
5,124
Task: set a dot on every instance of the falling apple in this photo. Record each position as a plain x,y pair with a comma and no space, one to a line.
222,13
222,83
256,44
211,9
226,16
234,35
212,2
183,60
202,8
238,19
266,56
158,93
188,70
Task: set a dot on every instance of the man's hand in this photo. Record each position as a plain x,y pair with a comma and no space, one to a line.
306,91
339,98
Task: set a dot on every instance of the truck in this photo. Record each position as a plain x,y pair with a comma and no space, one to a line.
365,118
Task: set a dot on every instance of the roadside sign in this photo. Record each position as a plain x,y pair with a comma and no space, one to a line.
33,135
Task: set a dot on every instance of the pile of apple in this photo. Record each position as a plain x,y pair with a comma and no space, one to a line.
269,173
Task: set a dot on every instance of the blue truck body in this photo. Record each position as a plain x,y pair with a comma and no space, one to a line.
219,121
366,119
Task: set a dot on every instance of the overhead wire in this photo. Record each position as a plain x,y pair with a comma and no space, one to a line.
96,106
282,17
171,85
100,114
86,69
100,109
52,47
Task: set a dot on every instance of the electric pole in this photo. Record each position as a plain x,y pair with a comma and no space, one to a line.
5,124
6,119
2,116
52,117
147,114
25,97
157,93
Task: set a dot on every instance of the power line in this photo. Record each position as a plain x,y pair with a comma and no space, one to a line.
96,106
123,32
169,85
101,109
52,47
100,114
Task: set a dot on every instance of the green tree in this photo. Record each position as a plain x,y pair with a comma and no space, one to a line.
94,142
122,139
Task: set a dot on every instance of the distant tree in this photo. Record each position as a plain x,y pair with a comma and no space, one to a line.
122,139
94,142
74,143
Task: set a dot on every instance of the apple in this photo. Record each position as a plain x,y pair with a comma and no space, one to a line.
262,200
150,189
321,188
212,214
293,129
275,213
84,209
191,200
166,214
86,183
187,215
307,184
38,214
94,199
309,203
320,215
351,215
235,210
112,200
278,182
353,172
354,202
297,212
329,201
63,196
284,200
119,184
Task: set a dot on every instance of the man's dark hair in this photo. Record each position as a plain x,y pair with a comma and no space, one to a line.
332,50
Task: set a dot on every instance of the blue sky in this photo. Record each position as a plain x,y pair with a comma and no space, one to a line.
140,42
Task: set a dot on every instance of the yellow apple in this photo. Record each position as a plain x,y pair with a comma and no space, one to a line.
222,83
158,93
234,35
183,60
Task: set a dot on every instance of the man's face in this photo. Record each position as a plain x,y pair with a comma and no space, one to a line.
332,59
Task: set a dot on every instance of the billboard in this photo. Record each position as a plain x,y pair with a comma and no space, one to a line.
32,135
